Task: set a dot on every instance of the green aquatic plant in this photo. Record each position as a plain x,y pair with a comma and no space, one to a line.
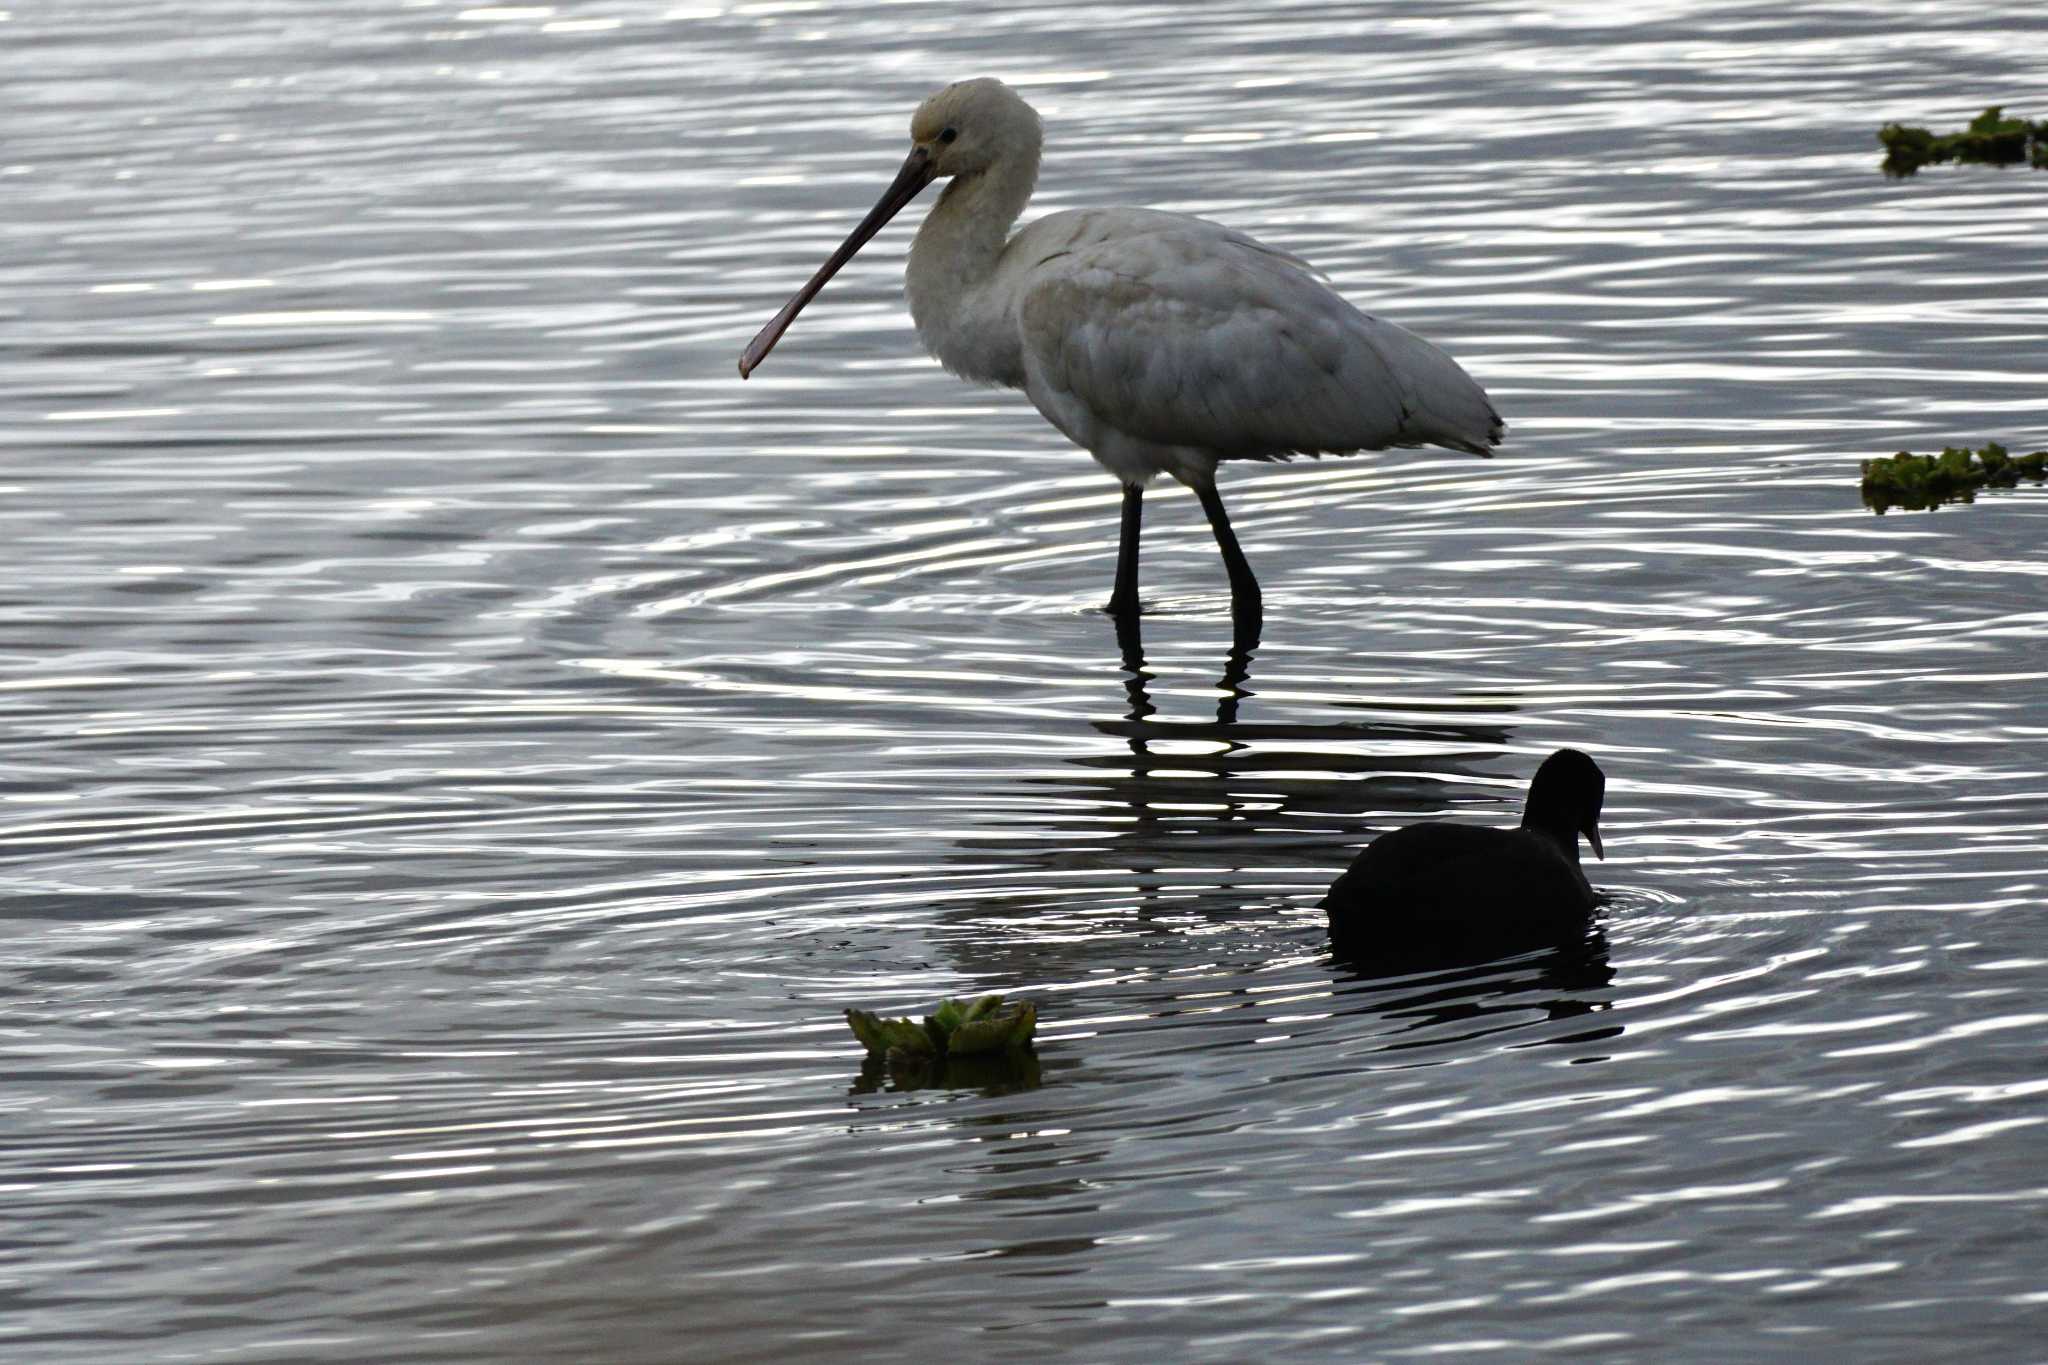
1992,139
957,1028
1920,482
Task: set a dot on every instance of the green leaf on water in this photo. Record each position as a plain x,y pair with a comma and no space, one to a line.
996,1028
980,1025
880,1035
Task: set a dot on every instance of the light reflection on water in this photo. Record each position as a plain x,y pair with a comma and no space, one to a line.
466,748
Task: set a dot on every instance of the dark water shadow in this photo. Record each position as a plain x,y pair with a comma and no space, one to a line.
1199,815
1439,1004
990,1075
1250,792
1252,759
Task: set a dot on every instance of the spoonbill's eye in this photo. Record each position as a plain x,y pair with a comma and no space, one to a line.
949,135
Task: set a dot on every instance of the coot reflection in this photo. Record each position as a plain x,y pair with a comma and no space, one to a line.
1439,891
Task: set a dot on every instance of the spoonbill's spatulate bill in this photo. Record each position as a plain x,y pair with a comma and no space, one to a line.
1159,343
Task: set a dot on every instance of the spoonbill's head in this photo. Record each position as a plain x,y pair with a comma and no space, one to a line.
970,125
963,130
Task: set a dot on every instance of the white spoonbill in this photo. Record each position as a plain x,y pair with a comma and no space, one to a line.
1157,342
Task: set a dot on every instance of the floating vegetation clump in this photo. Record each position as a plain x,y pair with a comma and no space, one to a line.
1991,138
957,1028
1918,482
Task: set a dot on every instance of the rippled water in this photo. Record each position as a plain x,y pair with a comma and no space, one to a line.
465,747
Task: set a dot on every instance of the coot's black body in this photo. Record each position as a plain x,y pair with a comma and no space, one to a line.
1461,892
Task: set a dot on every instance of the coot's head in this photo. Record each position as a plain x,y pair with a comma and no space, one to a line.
1565,799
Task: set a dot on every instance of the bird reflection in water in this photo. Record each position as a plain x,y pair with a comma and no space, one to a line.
1190,820
1439,1004
1257,794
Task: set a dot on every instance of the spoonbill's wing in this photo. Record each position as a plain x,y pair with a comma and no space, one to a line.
1179,332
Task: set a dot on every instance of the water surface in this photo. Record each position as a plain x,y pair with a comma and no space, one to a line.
465,748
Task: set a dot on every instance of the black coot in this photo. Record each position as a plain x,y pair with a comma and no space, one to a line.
1461,892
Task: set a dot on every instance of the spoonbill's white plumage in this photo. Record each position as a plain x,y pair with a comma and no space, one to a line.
1158,342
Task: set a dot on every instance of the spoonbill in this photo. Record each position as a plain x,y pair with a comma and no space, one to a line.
1464,890
1158,342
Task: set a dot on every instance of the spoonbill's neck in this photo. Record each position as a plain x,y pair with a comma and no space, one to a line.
953,266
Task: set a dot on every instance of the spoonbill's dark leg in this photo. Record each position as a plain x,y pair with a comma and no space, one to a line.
1123,599
1244,589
